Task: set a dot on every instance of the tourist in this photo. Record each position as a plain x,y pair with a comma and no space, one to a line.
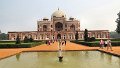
105,43
49,42
65,42
53,41
109,44
101,44
62,42
46,41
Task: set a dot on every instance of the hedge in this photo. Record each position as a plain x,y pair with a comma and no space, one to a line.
114,39
96,43
7,41
22,45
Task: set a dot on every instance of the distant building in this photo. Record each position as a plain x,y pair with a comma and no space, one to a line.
0,32
58,27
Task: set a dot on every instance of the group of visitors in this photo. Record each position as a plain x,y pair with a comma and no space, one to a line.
48,42
106,43
62,42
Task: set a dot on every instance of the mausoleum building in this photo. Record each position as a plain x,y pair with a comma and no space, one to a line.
58,26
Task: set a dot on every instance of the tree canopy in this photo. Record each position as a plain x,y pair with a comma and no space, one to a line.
27,40
76,35
3,36
18,40
86,35
118,23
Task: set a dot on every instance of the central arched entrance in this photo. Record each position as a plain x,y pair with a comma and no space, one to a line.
58,26
44,27
59,36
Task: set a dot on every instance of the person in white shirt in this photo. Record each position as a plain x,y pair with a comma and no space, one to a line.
105,43
109,44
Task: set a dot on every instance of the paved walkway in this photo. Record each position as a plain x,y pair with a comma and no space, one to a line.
54,47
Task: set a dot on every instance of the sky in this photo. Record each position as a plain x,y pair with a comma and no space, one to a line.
22,15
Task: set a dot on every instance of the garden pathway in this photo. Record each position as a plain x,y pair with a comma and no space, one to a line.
54,47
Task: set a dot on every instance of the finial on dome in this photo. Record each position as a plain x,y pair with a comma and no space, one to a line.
58,8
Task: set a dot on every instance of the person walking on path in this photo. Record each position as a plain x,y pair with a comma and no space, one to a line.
109,44
65,42
49,42
101,44
62,42
105,43
46,42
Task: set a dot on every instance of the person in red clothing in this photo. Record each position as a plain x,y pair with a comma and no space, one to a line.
101,44
49,42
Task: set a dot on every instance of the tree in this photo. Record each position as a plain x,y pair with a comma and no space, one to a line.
3,36
17,40
76,35
26,40
118,23
86,35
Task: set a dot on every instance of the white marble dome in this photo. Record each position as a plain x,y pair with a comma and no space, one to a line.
45,18
58,13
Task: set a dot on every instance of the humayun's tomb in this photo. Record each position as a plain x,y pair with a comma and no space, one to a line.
58,26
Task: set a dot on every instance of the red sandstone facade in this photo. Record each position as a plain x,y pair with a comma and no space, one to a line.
58,26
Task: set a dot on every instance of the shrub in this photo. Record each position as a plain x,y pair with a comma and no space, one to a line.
91,39
31,39
86,35
6,41
95,43
26,40
22,45
76,35
18,40
115,43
